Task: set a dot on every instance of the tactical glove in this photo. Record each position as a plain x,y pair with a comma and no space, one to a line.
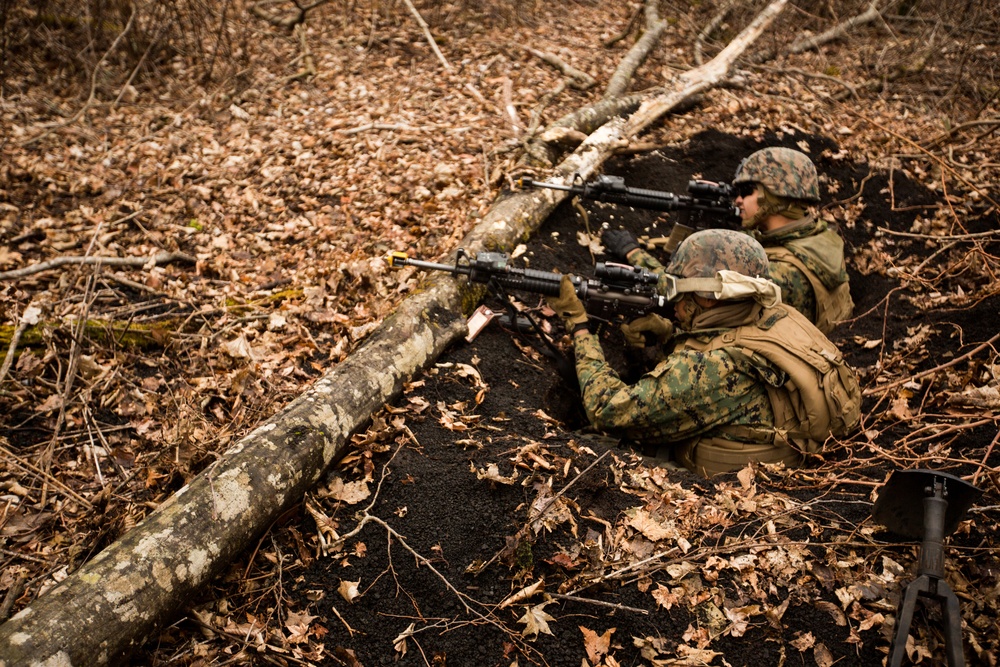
619,243
568,305
661,329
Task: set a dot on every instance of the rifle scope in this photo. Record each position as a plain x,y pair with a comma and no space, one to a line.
711,189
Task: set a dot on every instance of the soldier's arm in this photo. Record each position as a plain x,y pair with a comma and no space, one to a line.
684,396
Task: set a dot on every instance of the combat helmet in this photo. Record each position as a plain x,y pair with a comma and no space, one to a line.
783,171
705,253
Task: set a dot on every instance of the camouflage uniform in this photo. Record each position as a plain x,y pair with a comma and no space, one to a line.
820,254
806,256
691,393
724,394
814,244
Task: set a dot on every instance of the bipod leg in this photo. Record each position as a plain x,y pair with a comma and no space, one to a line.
905,618
952,625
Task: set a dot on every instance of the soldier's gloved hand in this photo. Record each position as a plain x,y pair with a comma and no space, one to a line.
619,243
568,305
660,328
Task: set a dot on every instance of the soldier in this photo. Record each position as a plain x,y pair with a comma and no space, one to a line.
775,187
721,397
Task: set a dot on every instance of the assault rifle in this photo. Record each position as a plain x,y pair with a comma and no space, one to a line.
704,197
615,289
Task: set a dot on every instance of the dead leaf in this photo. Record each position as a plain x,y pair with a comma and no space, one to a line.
593,243
987,397
838,616
651,529
822,656
349,589
536,620
351,493
399,643
596,645
492,473
522,595
238,348
804,641
664,597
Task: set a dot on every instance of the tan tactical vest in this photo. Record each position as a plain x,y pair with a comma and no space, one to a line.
833,305
821,397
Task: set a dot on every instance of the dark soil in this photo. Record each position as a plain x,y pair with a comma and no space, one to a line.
431,497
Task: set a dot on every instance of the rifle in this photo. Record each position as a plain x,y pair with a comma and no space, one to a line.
615,288
704,197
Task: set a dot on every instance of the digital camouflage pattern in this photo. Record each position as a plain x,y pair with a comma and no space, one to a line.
689,394
796,290
784,171
820,249
705,253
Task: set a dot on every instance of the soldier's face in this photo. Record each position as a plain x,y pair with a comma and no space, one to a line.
748,205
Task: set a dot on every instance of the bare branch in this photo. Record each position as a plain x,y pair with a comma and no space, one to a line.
638,53
427,33
157,259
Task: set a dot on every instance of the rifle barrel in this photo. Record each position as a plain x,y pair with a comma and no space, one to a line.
435,266
528,183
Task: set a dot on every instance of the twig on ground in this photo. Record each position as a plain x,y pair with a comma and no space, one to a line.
508,105
157,259
986,456
946,237
290,21
627,29
562,491
636,56
699,42
578,79
992,123
381,126
612,605
837,31
28,318
69,379
427,33
885,388
16,460
813,75
308,65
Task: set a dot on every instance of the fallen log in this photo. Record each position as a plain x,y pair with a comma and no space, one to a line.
104,610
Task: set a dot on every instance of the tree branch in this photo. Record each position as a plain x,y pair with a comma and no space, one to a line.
157,259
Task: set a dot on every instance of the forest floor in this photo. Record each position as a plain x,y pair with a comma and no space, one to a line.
285,193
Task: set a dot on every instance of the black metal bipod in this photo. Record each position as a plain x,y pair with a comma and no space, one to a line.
927,505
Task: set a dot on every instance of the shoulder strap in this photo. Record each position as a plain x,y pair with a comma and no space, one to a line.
832,306
821,395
